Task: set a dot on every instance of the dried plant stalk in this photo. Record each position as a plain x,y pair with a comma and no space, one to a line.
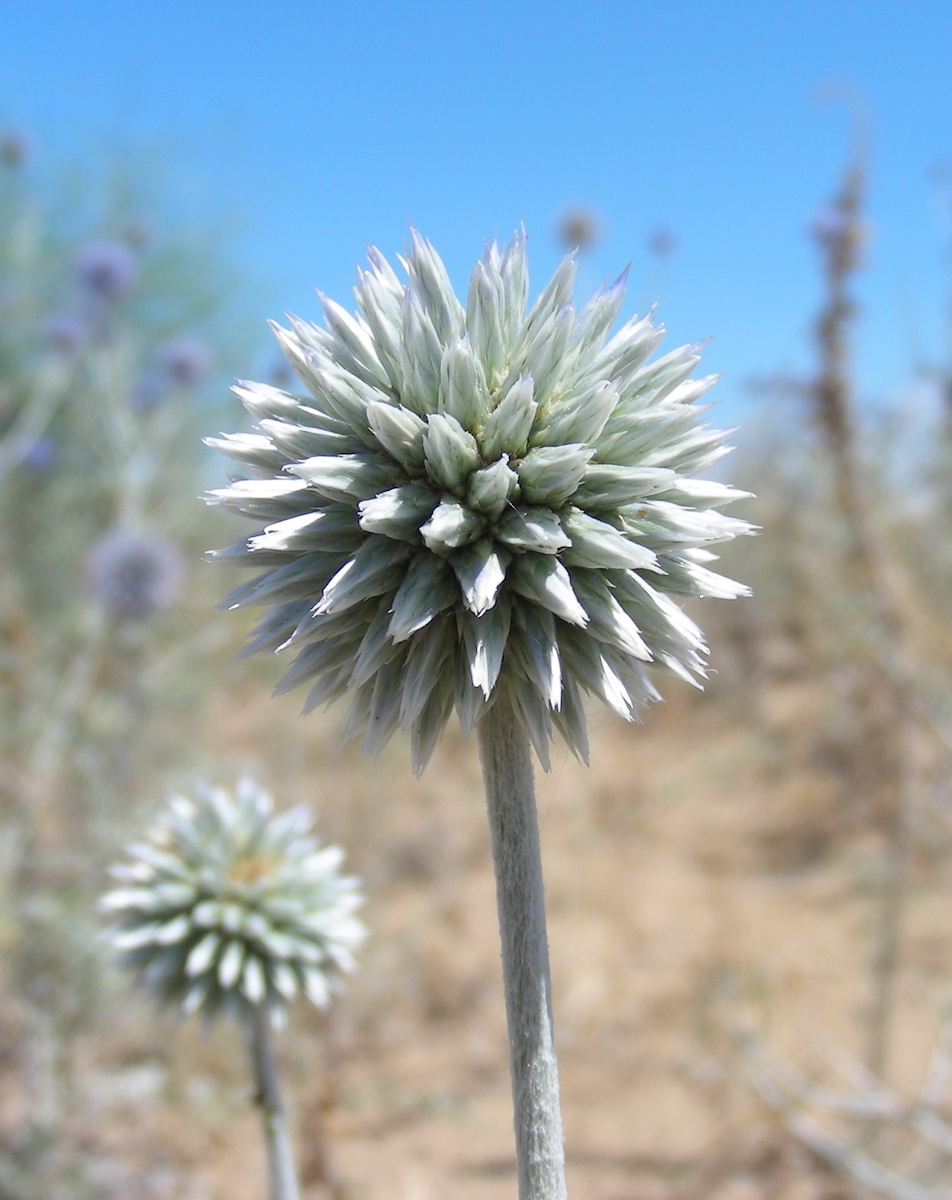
840,236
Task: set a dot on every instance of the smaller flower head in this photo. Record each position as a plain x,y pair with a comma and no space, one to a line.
579,229
226,904
135,574
185,362
106,269
662,243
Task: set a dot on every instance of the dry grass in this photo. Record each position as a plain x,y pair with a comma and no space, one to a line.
698,875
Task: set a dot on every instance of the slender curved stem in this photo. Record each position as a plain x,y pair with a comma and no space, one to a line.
281,1170
514,830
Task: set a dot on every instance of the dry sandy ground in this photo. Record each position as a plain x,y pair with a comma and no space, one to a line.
693,887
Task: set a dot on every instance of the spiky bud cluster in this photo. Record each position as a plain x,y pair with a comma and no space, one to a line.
227,904
475,498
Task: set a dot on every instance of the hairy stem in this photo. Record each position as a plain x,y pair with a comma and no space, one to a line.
281,1170
514,831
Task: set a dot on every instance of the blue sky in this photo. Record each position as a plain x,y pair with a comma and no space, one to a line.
318,128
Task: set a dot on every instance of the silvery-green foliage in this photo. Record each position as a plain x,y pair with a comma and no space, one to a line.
226,903
478,497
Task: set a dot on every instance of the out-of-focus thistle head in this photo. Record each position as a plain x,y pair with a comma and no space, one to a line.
227,904
185,362
662,243
478,498
579,229
134,575
106,269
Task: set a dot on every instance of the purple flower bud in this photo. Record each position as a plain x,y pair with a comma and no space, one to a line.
185,361
134,574
107,270
67,333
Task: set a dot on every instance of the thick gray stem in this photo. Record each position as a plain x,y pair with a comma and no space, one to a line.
514,831
281,1169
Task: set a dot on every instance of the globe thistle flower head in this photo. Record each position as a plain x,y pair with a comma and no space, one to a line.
185,362
106,270
662,243
134,575
579,229
477,498
227,904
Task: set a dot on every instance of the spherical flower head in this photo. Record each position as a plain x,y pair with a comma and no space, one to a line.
478,499
186,362
106,270
662,243
227,904
135,575
579,229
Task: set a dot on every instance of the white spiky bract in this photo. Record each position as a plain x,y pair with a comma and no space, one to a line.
226,904
475,498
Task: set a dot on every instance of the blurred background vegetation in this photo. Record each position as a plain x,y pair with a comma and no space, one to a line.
749,894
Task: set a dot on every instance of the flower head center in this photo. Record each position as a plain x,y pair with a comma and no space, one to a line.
252,869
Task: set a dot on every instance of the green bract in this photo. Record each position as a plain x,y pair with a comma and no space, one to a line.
478,498
227,904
